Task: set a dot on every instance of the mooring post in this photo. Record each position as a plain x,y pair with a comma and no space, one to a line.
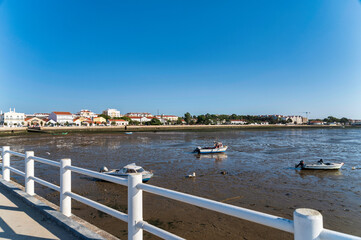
65,186
135,207
308,224
6,163
29,172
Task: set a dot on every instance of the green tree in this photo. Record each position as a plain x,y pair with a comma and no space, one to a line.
179,121
131,122
344,120
104,116
113,123
126,118
155,121
188,117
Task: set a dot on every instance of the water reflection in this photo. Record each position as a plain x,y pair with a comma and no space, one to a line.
217,156
319,173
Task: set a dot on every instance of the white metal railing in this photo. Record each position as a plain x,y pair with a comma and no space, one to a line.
307,224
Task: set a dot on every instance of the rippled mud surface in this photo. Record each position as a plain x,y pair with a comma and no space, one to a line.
259,163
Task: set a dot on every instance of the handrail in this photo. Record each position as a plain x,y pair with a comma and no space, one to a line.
45,161
45,183
99,206
243,213
15,153
158,231
16,171
99,175
327,234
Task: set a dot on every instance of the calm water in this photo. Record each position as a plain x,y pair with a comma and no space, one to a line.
261,176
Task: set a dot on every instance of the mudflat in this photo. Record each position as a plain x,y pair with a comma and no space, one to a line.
260,176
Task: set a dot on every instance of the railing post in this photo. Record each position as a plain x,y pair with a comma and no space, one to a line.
29,172
308,224
65,186
6,163
135,207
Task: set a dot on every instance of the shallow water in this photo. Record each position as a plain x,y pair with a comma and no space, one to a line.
261,176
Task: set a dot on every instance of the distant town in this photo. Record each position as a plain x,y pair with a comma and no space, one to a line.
112,117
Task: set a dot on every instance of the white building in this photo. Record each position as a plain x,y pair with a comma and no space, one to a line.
295,119
140,119
171,118
12,118
87,114
238,121
41,115
118,122
138,114
112,113
61,117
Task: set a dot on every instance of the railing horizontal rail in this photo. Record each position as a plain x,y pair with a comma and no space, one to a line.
333,235
100,207
16,153
158,231
90,173
16,171
247,214
45,161
45,183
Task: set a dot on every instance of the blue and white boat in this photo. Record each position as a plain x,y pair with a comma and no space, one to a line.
217,148
128,170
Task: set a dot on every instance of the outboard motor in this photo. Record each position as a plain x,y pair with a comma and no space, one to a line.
301,163
197,150
103,169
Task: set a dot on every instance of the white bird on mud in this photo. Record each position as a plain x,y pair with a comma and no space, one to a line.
193,175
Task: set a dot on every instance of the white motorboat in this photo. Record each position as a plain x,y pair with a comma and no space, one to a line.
128,170
320,165
217,148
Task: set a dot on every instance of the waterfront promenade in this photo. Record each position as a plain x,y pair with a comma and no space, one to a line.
32,217
19,221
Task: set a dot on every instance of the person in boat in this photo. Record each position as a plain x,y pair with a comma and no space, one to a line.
300,164
320,161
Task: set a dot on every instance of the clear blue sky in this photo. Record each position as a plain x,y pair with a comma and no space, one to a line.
243,57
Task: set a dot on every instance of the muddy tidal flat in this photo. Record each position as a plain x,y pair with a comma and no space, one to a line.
260,176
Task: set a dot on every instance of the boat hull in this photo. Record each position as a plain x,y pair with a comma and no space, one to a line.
212,150
145,177
331,166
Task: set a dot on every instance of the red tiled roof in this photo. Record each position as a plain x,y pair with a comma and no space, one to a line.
116,120
62,113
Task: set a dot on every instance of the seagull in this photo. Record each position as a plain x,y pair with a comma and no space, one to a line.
47,153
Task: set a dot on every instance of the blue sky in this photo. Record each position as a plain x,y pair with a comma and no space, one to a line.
243,57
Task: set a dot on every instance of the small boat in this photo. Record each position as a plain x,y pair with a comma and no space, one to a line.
129,133
320,165
128,170
217,148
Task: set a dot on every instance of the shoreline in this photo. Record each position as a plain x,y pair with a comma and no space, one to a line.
109,129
